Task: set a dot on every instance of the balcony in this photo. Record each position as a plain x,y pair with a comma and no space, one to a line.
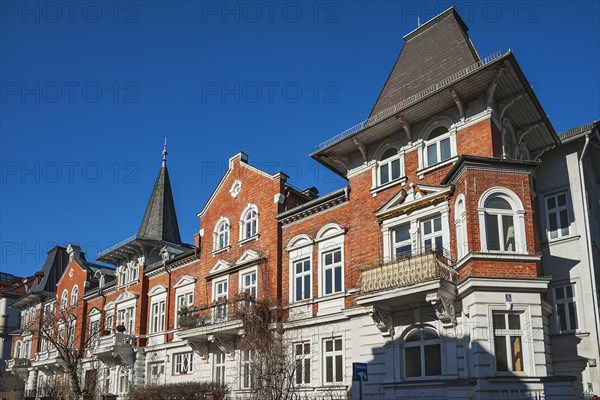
414,278
217,323
114,349
17,363
50,360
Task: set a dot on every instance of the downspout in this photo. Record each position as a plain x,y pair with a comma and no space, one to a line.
168,305
589,241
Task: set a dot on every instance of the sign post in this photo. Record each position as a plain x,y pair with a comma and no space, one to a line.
360,374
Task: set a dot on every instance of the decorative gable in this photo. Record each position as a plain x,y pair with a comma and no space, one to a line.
414,198
125,296
184,281
248,257
219,266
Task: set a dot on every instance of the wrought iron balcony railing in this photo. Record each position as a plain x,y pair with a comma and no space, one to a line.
217,312
406,270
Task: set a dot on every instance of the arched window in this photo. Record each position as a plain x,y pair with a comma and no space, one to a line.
422,353
502,221
74,294
222,235
64,300
18,349
390,166
123,380
438,147
250,223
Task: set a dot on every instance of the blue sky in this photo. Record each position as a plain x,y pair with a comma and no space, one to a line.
90,89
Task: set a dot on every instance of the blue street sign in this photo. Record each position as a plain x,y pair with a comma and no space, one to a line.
359,372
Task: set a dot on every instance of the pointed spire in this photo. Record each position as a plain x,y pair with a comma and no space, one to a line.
160,220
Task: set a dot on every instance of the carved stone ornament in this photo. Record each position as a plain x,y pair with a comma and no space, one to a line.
444,308
384,320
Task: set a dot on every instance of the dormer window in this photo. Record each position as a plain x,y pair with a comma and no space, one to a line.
390,166
438,147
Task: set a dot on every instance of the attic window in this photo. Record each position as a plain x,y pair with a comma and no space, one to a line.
438,146
390,166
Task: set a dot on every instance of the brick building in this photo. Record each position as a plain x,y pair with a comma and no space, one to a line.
432,265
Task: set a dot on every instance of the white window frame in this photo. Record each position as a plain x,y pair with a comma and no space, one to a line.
219,367
300,247
242,286
460,221
122,273
399,156
158,309
183,363
433,234
566,301
74,295
245,219
246,373
506,334
518,219
122,386
303,363
421,346
330,238
556,210
156,378
450,135
220,312
126,316
336,356
302,275
415,220
222,228
64,300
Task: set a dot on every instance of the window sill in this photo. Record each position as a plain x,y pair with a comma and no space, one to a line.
574,333
248,239
399,181
331,296
223,250
421,173
569,238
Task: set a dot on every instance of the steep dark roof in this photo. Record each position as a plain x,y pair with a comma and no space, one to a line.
160,220
52,270
431,53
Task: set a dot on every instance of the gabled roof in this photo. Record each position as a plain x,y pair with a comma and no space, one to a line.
415,197
54,266
160,220
431,53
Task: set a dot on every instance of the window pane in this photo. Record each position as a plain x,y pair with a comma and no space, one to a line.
552,222
429,334
509,232
338,344
569,289
328,282
560,292
433,360
564,220
562,317
445,149
329,345
427,227
573,316
402,233
385,176
329,369
328,259
562,200
395,169
551,203
298,268
306,370
307,286
492,234
306,348
403,250
338,279
498,203
298,349
517,353
306,265
499,321
514,321
413,361
299,288
439,244
501,355
339,376
431,154
298,372
337,256
437,224
389,153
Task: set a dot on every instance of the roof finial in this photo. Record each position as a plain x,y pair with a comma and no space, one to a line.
164,153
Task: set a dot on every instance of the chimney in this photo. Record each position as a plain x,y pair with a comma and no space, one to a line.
197,240
74,251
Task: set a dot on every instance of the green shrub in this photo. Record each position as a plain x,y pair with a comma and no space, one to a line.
178,391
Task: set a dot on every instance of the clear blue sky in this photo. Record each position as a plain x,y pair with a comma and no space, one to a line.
89,91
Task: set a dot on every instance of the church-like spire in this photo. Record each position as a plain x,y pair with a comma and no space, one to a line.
160,219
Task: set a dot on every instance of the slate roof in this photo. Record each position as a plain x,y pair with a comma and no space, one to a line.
575,132
160,219
431,53
52,270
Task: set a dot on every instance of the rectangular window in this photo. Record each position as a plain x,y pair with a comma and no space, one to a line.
249,283
334,360
332,270
432,233
183,363
220,296
508,342
219,367
185,300
246,378
302,284
402,242
438,151
125,317
302,355
557,216
566,308
389,170
157,318
109,321
157,371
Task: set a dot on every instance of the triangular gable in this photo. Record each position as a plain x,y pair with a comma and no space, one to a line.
93,312
413,198
248,256
184,280
68,268
219,266
125,296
